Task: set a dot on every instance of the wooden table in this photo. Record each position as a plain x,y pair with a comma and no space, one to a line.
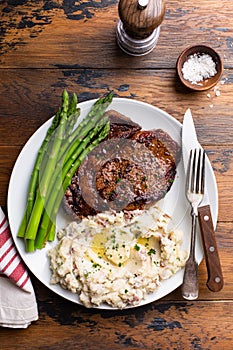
48,46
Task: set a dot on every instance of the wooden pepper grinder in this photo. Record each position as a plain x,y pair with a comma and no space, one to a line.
139,25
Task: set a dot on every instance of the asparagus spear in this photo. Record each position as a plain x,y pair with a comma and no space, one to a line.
86,125
102,129
59,180
41,154
35,173
45,178
71,144
72,151
57,147
73,114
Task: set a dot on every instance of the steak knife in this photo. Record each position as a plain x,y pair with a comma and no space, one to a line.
214,270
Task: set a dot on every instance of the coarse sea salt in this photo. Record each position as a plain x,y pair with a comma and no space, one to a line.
198,68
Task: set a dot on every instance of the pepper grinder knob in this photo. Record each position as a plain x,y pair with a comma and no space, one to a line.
139,25
142,4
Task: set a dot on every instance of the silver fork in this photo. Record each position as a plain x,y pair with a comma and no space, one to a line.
194,192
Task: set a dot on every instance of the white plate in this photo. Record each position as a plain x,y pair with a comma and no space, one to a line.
174,203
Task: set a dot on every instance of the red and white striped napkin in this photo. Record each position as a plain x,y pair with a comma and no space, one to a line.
10,263
18,306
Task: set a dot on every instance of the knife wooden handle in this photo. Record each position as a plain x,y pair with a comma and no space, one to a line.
215,277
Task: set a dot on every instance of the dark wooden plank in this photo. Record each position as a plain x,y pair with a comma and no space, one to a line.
58,34
8,156
161,325
30,97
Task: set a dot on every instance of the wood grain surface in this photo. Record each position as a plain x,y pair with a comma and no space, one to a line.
48,46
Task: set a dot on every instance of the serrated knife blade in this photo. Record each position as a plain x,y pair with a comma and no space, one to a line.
215,277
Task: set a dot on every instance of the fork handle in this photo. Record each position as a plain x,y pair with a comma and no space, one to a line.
190,279
215,277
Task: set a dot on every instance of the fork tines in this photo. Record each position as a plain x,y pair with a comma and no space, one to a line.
196,171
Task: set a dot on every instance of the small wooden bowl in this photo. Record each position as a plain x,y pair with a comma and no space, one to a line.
204,84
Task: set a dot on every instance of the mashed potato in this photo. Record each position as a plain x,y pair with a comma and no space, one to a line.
116,258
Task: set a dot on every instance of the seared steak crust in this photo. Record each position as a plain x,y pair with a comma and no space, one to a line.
121,126
131,171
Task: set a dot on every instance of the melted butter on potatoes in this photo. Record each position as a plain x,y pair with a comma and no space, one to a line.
116,259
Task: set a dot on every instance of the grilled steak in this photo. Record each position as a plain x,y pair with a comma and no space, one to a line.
130,170
121,126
